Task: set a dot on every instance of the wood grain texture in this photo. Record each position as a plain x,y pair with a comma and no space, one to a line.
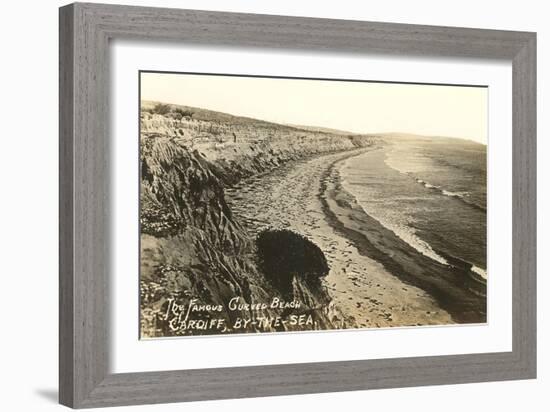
524,208
66,229
85,31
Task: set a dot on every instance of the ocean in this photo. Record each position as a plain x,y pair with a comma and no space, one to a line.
430,192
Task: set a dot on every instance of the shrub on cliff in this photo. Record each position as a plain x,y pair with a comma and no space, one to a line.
284,254
184,113
161,108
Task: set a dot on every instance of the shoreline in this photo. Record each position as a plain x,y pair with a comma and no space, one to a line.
453,287
362,289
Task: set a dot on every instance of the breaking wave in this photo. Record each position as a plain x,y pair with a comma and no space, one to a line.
462,196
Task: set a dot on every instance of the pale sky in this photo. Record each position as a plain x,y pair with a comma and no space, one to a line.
359,107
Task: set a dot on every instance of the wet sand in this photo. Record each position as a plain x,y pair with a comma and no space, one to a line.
299,196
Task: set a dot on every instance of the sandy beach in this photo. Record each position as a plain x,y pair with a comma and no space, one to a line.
297,196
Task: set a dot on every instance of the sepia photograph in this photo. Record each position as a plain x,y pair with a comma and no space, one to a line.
273,204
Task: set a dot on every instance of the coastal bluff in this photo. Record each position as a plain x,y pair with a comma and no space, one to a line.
196,256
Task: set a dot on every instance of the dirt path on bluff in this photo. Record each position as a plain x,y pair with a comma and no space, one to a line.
360,287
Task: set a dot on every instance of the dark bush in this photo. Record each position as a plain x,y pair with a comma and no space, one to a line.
161,108
184,113
284,254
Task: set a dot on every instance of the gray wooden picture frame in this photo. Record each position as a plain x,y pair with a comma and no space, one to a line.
85,32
